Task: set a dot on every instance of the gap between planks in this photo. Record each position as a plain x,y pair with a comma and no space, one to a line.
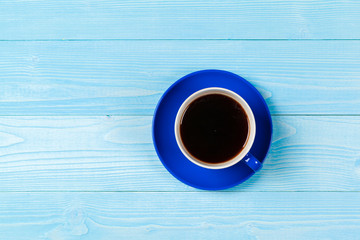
171,39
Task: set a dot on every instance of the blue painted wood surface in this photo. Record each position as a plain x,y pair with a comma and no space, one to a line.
179,19
129,77
78,85
103,153
185,215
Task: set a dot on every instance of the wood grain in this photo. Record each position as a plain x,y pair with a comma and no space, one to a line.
79,84
180,19
128,77
308,153
159,215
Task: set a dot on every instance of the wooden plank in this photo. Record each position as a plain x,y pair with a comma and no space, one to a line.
159,215
128,77
180,19
116,154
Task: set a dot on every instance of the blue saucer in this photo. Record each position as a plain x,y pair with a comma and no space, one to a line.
164,137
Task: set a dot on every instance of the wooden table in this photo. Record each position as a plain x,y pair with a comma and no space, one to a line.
78,86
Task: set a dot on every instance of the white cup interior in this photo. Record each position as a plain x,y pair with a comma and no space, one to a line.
251,122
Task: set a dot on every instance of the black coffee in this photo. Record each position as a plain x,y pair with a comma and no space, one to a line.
214,128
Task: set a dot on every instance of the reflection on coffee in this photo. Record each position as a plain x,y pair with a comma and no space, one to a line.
214,128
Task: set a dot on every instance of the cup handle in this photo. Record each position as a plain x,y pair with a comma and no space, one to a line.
252,162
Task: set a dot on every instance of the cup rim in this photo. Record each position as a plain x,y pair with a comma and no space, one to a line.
250,138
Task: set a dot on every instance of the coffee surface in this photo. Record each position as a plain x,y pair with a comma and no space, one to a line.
214,128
